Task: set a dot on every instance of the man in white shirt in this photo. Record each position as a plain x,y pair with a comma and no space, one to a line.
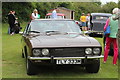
54,13
88,21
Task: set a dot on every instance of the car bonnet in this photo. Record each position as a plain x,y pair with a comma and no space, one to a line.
63,41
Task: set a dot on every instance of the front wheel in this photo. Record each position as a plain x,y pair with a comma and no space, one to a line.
93,67
30,67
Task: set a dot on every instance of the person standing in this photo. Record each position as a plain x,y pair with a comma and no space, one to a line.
83,20
10,12
117,17
35,14
11,21
54,14
88,21
112,38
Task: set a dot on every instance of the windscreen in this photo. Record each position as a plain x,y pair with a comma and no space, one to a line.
100,18
55,25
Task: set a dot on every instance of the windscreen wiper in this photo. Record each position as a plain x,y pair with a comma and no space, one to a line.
52,32
34,31
55,32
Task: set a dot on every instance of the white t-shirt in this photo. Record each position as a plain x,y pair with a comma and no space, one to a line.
54,14
35,16
88,18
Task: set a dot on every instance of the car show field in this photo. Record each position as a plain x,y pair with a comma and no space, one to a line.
13,65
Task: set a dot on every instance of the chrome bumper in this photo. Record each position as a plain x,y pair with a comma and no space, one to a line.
49,58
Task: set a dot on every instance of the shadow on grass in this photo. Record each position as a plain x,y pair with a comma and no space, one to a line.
61,71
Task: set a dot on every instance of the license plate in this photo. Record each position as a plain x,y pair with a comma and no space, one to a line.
69,61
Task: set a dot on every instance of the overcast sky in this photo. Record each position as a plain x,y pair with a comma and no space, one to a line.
104,1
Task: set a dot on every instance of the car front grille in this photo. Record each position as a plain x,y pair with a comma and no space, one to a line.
67,52
98,26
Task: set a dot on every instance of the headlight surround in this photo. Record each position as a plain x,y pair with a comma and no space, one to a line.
45,52
36,52
96,51
88,50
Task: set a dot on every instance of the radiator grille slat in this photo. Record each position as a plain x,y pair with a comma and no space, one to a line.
98,26
67,52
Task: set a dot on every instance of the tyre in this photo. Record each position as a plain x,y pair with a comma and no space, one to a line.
93,67
30,67
23,56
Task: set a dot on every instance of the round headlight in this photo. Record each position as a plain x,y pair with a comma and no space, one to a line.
45,52
36,52
88,50
96,50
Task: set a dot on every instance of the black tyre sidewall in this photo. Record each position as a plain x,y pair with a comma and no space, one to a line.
93,67
30,67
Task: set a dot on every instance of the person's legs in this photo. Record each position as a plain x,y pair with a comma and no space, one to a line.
86,28
83,29
88,25
11,28
115,51
118,37
8,30
107,48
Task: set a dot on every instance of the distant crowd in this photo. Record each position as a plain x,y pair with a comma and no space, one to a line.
85,21
12,20
14,25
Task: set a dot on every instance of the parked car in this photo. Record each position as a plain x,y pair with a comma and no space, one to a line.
59,16
59,42
79,23
97,22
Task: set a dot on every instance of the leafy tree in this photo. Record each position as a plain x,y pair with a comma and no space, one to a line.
24,9
22,12
83,7
119,4
107,8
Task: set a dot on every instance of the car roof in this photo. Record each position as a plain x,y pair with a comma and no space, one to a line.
101,14
52,20
59,14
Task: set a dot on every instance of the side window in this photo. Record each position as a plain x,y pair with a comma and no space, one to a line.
26,29
91,24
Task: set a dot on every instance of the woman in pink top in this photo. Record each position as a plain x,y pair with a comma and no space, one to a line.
112,38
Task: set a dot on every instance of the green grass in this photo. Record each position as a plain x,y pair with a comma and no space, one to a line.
13,65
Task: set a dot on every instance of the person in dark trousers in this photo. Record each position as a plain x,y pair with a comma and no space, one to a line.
11,21
7,17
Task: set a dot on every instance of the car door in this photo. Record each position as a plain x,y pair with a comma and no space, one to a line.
25,38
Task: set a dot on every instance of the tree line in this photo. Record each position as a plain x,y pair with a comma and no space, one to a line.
24,9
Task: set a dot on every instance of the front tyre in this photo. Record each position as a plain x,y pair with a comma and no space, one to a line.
93,67
30,67
23,56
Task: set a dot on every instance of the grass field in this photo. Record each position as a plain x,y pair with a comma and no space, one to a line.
13,65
